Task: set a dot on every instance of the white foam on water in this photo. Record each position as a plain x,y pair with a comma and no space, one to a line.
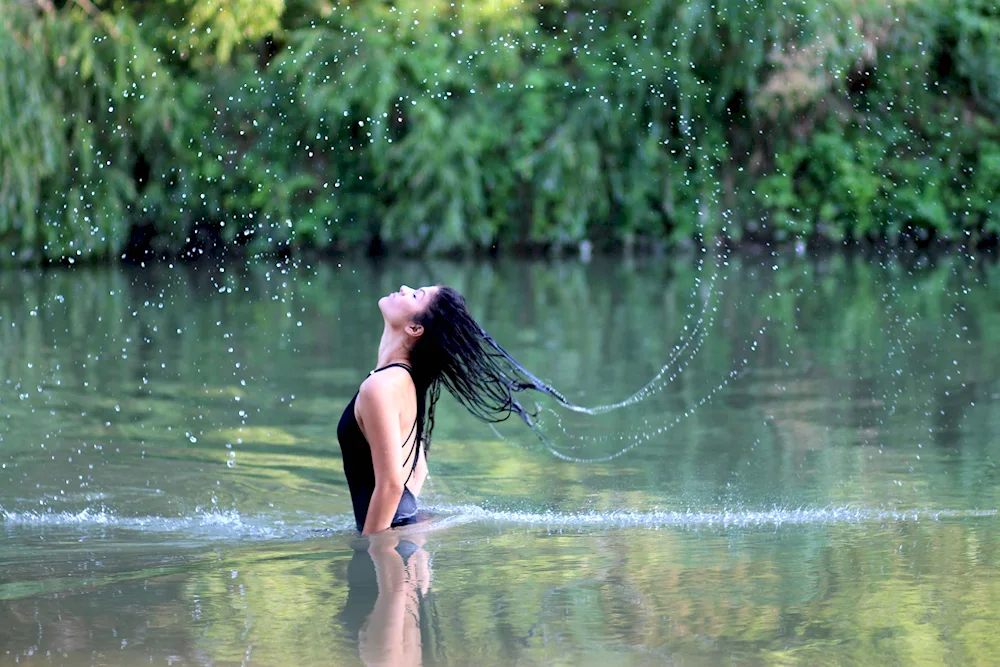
233,526
695,519
229,525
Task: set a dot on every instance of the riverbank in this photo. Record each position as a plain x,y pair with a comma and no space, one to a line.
983,247
162,130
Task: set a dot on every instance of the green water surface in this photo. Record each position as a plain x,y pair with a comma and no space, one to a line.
811,480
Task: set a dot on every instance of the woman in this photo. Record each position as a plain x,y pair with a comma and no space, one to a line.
429,340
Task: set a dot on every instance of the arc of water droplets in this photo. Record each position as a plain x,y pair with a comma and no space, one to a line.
639,437
700,330
654,385
680,369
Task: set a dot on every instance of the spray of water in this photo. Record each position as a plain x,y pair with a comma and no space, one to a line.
645,429
231,526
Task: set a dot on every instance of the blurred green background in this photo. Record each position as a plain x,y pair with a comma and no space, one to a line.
180,127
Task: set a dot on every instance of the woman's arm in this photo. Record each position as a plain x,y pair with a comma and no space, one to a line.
379,410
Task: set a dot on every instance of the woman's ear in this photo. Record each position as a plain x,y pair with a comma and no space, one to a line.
415,330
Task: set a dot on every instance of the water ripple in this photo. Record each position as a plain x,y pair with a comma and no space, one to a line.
693,518
231,525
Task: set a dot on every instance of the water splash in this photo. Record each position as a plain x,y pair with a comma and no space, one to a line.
682,355
776,516
684,351
232,526
229,525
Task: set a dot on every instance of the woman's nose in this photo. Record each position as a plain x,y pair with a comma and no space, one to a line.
403,289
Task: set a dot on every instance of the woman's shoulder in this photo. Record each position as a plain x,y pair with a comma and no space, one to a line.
385,384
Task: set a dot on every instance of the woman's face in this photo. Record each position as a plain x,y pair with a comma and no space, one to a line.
399,309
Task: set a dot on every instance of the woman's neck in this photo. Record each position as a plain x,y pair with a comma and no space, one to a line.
393,348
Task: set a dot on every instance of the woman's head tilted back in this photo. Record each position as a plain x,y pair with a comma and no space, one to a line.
450,348
400,309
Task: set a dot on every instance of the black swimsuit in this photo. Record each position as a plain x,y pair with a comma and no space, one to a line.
360,471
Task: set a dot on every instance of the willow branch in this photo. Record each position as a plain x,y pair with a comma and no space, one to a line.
98,15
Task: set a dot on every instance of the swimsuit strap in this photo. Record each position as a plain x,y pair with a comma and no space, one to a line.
416,445
408,367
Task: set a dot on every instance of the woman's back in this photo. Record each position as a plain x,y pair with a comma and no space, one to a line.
360,469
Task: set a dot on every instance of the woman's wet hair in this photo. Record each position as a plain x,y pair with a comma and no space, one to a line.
454,351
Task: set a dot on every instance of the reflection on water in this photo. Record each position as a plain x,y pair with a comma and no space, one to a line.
388,589
171,490
897,592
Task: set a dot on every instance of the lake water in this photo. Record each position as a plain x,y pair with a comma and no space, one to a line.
812,480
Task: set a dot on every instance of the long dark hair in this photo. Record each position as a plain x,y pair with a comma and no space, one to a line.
454,351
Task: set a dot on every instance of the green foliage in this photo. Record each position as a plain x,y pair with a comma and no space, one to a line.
916,147
89,99
221,25
30,150
438,128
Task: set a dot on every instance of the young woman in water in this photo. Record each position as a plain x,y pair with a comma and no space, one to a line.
429,340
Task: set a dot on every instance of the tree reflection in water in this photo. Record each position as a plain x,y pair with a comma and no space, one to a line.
389,605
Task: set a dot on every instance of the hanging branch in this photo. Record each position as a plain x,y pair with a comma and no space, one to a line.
97,15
